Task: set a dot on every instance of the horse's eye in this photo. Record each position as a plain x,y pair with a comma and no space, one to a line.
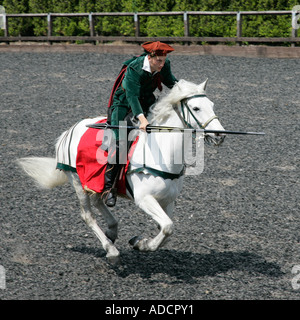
196,109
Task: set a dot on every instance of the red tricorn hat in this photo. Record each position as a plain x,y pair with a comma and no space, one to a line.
157,48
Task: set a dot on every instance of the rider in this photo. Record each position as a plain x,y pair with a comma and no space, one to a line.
143,75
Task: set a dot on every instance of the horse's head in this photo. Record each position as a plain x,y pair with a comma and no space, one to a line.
197,111
193,108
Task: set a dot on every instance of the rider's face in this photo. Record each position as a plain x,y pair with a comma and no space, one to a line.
157,63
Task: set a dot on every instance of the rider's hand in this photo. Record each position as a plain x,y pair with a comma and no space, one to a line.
144,122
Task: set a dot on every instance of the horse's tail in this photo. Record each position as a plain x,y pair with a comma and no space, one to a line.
43,171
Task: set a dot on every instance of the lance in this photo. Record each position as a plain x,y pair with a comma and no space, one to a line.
151,128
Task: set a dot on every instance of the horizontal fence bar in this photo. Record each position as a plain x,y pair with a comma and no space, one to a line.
239,39
266,12
79,14
207,13
167,13
212,13
143,39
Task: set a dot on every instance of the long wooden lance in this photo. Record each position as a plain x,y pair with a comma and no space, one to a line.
151,128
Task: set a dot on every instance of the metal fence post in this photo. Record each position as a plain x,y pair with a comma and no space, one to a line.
238,27
4,22
136,24
49,20
6,33
186,24
91,26
2,17
294,25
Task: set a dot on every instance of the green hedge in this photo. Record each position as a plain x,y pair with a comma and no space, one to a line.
252,26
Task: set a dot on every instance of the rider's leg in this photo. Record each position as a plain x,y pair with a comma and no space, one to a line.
117,156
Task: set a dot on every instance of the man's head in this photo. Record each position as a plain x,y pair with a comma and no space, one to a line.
157,52
156,62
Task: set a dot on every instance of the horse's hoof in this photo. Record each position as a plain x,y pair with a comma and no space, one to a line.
114,260
134,241
112,239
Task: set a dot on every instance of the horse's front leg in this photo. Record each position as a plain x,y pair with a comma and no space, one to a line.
150,206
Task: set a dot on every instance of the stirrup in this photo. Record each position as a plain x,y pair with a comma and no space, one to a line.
109,197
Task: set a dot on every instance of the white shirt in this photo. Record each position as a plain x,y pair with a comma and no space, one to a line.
146,65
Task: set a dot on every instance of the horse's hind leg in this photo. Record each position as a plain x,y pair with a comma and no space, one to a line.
88,216
112,223
150,205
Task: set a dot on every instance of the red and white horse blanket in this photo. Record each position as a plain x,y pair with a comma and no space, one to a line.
79,150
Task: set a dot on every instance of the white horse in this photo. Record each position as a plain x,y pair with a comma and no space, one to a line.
154,184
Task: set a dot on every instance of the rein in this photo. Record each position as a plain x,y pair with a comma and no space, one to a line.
184,118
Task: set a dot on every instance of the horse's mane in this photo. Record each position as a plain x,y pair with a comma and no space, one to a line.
182,89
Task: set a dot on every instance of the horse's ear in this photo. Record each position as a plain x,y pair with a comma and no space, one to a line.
202,86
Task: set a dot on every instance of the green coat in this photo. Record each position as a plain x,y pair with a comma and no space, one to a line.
136,92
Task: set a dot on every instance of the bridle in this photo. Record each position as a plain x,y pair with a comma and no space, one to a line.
184,104
184,116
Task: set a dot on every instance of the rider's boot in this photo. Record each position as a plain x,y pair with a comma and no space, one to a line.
109,194
116,158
